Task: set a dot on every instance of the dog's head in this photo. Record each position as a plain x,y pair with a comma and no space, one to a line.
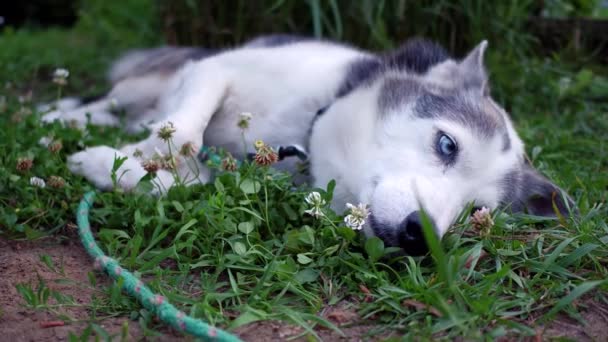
403,139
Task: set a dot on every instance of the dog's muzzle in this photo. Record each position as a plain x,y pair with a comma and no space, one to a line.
408,235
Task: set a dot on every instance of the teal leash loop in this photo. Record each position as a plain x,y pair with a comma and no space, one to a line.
156,304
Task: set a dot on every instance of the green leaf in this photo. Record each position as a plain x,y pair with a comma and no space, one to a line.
48,262
178,206
307,275
291,214
162,255
246,227
374,247
578,254
435,247
304,259
240,248
246,317
250,186
218,185
184,229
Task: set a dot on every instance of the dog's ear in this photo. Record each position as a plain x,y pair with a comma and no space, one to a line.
472,68
533,193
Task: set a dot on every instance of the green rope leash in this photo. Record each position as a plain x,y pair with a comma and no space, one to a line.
153,302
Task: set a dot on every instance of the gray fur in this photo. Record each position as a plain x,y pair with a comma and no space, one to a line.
459,108
526,190
396,92
164,60
506,145
273,40
473,69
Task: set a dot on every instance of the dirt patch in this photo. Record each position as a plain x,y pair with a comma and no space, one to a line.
595,328
20,263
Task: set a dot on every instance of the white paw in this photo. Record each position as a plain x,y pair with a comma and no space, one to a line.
64,104
96,163
80,118
51,116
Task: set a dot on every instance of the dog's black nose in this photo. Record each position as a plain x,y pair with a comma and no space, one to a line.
410,235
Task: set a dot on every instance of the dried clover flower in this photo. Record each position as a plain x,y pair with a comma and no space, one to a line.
56,182
151,165
24,164
265,155
229,163
166,131
482,220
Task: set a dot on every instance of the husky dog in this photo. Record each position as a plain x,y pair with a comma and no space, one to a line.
401,131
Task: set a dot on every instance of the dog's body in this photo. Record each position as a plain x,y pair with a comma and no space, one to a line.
408,129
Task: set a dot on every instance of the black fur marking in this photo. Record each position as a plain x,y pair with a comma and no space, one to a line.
322,111
415,56
457,108
362,71
92,98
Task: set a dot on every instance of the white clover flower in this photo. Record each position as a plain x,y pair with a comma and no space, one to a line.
37,182
316,201
60,76
354,222
45,141
358,214
245,116
315,211
314,198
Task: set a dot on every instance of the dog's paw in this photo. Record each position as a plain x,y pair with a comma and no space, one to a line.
64,104
79,118
96,164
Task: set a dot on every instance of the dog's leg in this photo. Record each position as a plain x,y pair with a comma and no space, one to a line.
196,94
63,104
137,95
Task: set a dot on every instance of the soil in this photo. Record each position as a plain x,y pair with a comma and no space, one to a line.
20,263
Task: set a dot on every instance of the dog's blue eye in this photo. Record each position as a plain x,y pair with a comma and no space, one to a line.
446,146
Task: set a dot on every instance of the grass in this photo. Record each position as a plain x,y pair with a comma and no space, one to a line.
241,249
